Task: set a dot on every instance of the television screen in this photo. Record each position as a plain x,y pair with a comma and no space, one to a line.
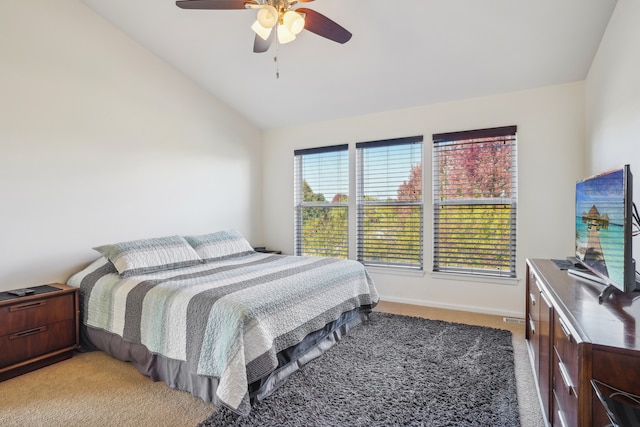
603,227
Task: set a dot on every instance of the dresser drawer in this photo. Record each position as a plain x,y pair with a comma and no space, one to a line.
533,299
533,331
559,416
37,341
36,312
566,348
565,411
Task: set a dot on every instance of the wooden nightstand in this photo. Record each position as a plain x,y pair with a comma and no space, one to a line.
39,329
264,250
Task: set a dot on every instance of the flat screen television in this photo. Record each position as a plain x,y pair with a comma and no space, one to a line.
604,228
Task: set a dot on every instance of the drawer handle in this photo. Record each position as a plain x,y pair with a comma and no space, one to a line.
563,423
28,305
565,378
532,297
564,328
28,332
532,326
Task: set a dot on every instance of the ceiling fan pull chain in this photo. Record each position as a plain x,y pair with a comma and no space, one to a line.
275,59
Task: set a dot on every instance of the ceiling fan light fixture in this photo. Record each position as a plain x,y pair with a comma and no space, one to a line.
284,35
268,16
293,21
288,22
263,32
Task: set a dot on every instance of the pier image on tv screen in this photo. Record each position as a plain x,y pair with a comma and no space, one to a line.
600,220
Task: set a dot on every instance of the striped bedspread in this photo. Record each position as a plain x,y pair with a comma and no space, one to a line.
227,319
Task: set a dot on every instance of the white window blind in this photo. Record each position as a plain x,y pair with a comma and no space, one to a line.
321,190
474,202
390,202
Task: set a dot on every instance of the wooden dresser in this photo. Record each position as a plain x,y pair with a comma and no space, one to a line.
573,339
38,330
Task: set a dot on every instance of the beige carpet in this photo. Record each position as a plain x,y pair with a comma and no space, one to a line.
92,389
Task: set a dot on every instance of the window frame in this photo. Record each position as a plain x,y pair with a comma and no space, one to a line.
300,204
506,133
354,205
415,263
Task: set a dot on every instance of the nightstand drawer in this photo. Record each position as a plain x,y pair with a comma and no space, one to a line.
35,312
32,342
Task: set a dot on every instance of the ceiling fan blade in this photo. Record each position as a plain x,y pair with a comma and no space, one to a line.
261,45
321,25
213,4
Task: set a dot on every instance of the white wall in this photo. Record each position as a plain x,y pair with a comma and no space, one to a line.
613,98
100,141
551,151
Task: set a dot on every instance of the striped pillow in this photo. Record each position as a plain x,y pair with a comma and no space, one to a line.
150,255
221,244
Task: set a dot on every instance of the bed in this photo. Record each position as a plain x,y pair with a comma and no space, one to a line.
209,315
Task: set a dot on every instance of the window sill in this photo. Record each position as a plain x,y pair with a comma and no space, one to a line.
397,271
496,280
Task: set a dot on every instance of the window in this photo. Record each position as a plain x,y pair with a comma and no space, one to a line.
321,191
474,202
390,202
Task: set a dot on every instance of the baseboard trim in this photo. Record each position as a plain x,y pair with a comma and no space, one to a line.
459,307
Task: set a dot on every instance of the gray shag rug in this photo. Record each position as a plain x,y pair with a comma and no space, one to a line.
397,370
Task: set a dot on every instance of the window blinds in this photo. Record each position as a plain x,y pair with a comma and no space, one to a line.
390,202
321,189
474,202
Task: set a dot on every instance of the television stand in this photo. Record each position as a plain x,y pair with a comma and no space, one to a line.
572,339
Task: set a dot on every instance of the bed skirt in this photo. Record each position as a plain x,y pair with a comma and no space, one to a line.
178,375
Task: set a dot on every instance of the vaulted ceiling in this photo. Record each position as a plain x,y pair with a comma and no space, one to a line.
401,55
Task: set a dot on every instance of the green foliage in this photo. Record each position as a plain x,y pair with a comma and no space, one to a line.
308,195
474,236
390,232
324,228
325,231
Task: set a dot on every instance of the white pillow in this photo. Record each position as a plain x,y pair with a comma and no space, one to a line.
221,244
150,255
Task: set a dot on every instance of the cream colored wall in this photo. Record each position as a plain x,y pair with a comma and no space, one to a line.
613,98
551,148
101,141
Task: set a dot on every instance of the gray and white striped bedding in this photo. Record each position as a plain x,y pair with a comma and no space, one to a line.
226,319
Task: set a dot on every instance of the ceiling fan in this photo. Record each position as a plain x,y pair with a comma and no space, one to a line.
278,14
